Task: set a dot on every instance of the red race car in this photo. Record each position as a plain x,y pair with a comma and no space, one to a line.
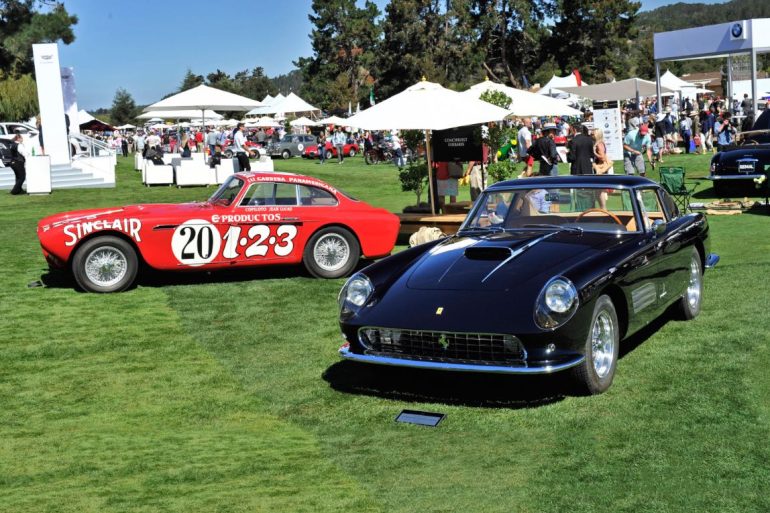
252,219
349,150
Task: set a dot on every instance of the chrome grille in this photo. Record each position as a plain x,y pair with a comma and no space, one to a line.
439,345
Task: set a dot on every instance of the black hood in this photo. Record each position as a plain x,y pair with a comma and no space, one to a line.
505,260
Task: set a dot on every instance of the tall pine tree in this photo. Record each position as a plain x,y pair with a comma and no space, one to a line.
344,39
123,107
594,36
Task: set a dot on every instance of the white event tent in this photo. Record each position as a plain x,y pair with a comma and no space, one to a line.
333,120
524,103
427,106
555,86
180,114
291,103
267,102
202,98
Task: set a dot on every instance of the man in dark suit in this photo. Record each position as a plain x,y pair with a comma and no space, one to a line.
581,151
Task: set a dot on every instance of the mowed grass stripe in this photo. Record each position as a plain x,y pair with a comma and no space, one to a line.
109,406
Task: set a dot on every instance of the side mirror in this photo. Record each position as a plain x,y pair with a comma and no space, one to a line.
658,227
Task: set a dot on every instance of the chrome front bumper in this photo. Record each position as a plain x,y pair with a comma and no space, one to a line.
347,354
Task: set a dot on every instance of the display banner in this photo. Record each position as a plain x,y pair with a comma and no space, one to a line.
461,143
70,98
607,119
51,101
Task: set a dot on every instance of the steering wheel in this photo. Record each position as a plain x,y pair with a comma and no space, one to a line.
602,211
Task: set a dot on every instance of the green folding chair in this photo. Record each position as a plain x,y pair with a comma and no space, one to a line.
673,181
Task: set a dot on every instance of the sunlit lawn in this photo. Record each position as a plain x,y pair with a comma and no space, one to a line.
223,392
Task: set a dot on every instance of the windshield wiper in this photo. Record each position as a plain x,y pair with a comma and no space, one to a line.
560,227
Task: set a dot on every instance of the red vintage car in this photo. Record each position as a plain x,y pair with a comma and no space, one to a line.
252,219
349,150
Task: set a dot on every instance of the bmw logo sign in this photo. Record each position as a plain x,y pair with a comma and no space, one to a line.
736,30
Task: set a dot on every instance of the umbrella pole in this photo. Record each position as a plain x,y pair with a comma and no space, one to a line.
430,173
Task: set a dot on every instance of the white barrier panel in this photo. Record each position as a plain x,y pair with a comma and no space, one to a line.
51,101
38,174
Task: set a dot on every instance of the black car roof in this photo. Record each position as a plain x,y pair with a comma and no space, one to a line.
576,181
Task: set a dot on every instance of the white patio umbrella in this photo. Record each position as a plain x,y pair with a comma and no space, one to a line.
127,126
265,121
427,106
204,97
525,103
303,121
334,120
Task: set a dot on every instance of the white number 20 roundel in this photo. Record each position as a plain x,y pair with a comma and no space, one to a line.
196,242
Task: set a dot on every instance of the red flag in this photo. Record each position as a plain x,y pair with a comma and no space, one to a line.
577,77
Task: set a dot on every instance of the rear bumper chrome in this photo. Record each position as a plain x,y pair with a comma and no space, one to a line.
735,177
347,354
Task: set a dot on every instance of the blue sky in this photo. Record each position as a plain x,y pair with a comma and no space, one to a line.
147,46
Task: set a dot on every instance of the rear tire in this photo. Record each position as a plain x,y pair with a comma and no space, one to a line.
371,158
594,375
105,264
331,253
689,305
352,152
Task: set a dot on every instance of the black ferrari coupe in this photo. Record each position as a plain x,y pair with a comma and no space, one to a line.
545,275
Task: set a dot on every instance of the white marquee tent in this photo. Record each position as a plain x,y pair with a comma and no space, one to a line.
292,103
554,86
525,103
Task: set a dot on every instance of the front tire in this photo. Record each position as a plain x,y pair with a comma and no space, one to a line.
594,375
286,154
371,158
331,253
352,152
105,264
690,303
329,155
228,154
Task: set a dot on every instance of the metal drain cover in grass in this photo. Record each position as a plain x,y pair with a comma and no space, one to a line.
421,418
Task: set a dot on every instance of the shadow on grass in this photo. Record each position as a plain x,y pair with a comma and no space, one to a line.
428,386
148,277
468,389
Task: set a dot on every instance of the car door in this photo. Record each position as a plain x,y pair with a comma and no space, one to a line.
264,226
652,270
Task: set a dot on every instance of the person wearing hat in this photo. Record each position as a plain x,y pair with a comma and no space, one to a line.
544,150
635,144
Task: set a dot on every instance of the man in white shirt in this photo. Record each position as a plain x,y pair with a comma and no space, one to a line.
239,148
524,142
153,140
338,140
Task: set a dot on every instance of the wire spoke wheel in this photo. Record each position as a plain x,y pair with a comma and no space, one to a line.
331,252
105,266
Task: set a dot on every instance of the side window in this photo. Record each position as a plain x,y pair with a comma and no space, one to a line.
285,194
314,196
650,206
2,130
22,129
259,194
672,211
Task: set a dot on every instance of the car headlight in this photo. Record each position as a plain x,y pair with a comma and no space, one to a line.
556,304
354,294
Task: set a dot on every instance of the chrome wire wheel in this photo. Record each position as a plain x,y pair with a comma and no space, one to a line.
603,344
331,252
694,287
105,266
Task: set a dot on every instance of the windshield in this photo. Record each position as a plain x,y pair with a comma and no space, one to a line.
227,192
582,208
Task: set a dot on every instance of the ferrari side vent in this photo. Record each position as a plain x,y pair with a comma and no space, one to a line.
487,253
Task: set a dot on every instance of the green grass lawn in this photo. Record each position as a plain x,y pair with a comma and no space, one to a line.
224,393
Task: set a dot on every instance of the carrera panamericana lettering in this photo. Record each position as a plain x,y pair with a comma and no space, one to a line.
76,231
